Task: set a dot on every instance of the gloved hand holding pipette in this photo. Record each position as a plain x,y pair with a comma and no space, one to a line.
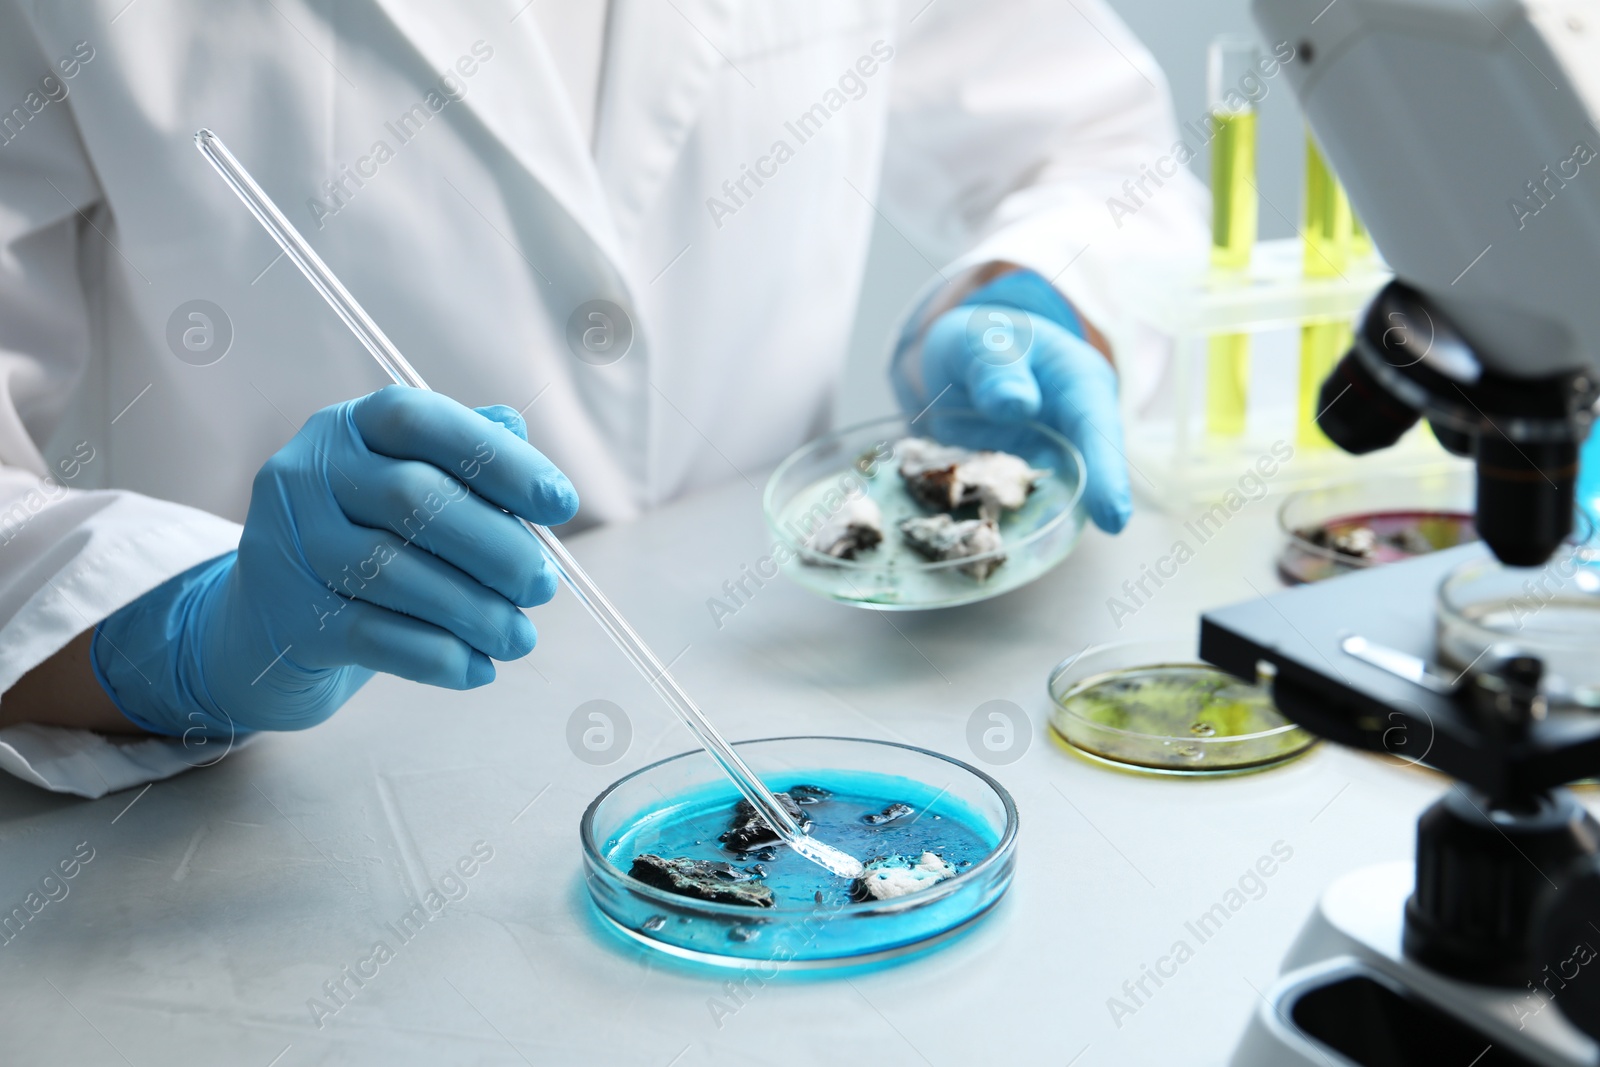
384,537
1015,349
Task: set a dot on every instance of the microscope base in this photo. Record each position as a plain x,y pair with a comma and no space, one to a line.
1348,995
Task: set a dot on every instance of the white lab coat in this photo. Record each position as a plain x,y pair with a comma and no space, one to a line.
984,131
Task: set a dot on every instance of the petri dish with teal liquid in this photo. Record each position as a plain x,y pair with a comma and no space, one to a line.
819,484
874,799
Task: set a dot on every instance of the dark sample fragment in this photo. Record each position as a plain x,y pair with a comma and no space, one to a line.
939,538
1411,541
1357,542
894,811
750,831
702,879
944,478
808,794
857,527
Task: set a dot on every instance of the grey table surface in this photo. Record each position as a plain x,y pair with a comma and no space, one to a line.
218,904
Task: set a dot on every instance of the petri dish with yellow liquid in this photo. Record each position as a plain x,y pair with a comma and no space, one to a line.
1153,706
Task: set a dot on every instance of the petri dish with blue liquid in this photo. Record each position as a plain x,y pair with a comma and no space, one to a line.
942,831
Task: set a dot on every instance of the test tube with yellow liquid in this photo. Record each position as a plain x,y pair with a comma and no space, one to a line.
1231,63
1330,238
1361,247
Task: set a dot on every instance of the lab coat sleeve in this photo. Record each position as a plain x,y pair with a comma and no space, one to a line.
1013,128
69,556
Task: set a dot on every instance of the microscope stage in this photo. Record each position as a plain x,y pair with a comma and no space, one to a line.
1298,633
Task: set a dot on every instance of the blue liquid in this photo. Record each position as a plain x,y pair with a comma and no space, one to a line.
1589,481
689,825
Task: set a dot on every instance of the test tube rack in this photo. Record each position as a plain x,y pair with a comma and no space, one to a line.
1172,312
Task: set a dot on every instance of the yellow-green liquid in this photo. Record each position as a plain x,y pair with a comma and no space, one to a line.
1328,222
1329,237
1234,221
1234,207
1176,717
1360,239
1227,383
1322,344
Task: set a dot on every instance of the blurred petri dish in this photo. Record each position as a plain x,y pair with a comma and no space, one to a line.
1153,706
669,807
1552,612
814,482
1355,525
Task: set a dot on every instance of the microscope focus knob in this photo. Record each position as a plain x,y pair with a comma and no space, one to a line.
1567,951
1485,875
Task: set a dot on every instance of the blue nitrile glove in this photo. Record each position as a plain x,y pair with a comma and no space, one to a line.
1013,350
378,539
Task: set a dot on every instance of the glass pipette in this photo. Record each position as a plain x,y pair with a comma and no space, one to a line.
633,646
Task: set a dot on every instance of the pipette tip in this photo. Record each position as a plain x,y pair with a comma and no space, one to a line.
820,852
